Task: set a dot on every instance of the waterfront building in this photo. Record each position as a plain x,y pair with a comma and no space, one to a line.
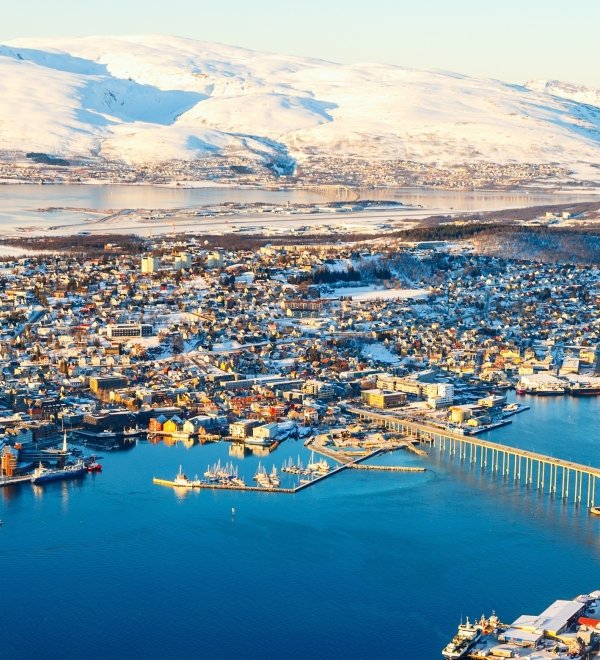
242,428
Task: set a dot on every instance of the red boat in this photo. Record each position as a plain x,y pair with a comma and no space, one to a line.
94,467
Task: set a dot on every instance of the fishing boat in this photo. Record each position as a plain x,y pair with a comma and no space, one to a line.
595,510
133,432
93,467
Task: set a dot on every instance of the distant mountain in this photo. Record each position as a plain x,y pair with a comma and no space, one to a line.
566,90
149,99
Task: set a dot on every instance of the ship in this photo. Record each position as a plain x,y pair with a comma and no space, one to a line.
549,389
584,389
43,474
467,636
545,388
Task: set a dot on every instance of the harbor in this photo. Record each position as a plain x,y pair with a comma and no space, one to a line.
564,629
502,538
56,462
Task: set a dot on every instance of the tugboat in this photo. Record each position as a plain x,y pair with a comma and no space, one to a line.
467,636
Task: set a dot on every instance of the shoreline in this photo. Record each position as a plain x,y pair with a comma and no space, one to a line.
535,189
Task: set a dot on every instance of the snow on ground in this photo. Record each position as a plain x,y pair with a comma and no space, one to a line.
379,353
145,342
155,97
226,346
362,293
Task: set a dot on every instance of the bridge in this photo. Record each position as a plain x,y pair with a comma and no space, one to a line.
557,476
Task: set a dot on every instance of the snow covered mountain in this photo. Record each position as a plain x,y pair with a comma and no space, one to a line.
578,93
158,98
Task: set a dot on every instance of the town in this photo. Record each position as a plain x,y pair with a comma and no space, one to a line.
312,169
176,340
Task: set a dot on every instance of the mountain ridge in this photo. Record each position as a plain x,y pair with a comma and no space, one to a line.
152,98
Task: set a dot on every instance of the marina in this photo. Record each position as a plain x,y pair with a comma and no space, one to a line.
267,487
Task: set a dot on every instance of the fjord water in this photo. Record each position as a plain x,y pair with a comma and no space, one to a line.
24,207
362,565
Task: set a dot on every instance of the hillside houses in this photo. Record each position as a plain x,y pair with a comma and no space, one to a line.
252,336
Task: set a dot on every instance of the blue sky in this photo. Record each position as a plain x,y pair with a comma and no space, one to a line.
513,40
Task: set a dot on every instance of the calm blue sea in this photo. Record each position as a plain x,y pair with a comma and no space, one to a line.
364,565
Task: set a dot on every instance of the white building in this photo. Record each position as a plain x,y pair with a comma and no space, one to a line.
440,395
214,259
150,264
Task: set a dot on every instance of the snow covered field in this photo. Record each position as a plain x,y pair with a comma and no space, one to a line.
363,293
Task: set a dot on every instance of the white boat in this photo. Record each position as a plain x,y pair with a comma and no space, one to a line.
183,482
466,637
274,477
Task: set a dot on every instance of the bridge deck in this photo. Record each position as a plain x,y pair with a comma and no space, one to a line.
478,442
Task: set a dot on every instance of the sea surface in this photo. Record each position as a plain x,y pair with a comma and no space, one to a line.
362,565
24,207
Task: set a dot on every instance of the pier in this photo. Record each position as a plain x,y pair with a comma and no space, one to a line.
296,489
567,479
9,481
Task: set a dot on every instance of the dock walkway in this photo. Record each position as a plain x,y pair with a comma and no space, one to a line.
9,481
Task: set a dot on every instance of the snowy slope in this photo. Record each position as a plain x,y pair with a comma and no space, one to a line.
155,98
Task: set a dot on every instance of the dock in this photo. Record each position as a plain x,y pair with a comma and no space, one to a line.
9,481
356,463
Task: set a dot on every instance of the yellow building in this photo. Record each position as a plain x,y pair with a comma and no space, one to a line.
383,399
